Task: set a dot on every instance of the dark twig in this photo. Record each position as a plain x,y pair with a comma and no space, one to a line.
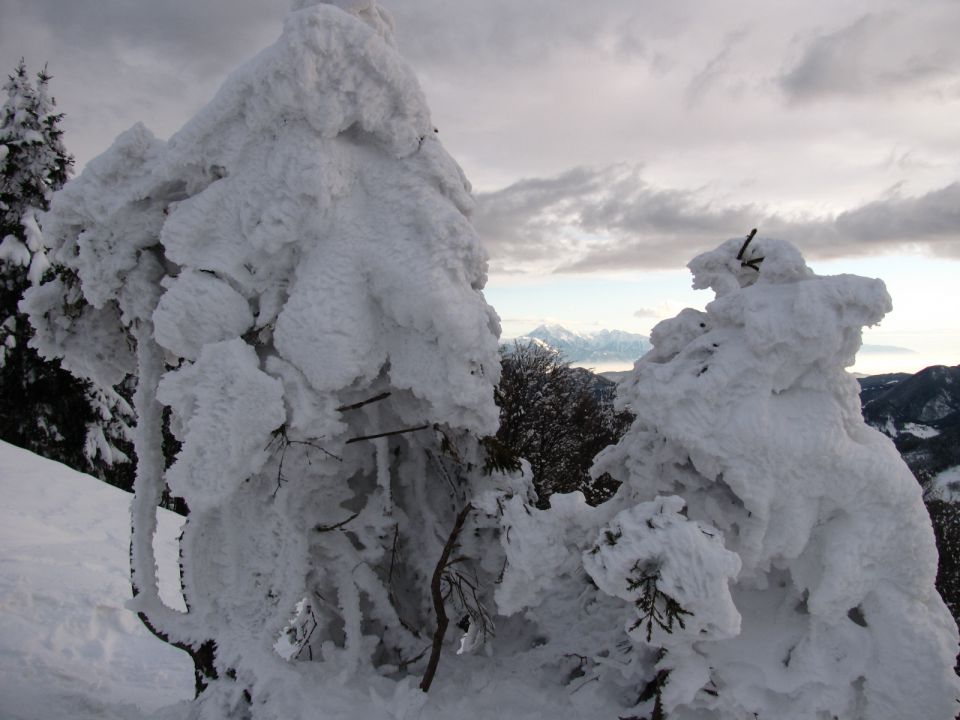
280,436
356,406
387,434
467,599
746,242
328,528
393,553
315,447
754,263
437,593
404,664
584,684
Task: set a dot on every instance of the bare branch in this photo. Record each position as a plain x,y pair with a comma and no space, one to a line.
753,263
387,434
746,242
356,406
328,528
436,591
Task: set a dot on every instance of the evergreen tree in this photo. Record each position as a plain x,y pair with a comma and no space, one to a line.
42,407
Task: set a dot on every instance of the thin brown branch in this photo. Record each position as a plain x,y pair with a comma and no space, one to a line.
357,406
328,528
315,447
393,553
403,664
387,434
746,242
437,593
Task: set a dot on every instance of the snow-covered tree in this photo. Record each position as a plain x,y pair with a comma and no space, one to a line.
294,276
42,407
769,552
557,418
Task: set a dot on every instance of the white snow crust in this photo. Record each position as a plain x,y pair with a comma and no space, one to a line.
68,646
226,409
198,309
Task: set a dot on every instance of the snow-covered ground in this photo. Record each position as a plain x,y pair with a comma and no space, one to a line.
921,431
68,647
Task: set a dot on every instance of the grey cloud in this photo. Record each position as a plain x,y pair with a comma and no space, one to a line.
501,32
931,221
714,70
877,53
612,219
119,62
160,61
210,36
431,33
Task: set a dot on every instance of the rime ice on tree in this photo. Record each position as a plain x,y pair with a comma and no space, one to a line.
745,412
768,554
299,283
42,407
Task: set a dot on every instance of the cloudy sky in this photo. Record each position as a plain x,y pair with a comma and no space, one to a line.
609,142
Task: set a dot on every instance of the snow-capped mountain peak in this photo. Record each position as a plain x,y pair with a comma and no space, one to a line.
595,347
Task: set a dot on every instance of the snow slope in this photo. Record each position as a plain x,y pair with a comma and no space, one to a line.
68,646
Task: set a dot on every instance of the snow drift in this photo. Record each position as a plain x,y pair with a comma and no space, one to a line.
68,646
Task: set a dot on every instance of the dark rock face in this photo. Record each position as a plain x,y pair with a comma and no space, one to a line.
921,413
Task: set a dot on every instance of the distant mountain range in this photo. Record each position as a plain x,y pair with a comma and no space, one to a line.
921,414
603,346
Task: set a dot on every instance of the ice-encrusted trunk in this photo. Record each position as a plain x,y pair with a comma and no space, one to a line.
293,275
166,624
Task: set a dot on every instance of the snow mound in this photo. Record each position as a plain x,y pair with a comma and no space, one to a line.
652,542
68,646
